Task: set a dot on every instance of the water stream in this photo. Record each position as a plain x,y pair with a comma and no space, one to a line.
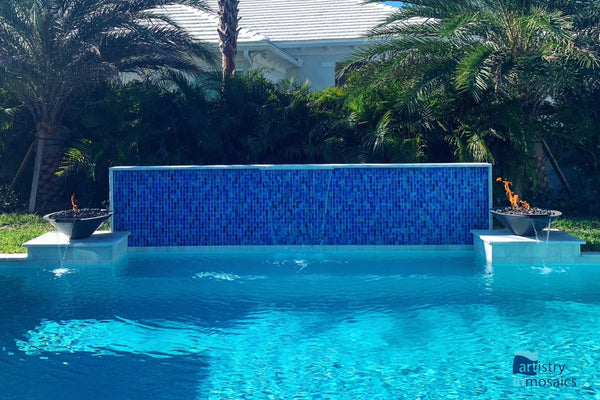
62,255
324,209
544,258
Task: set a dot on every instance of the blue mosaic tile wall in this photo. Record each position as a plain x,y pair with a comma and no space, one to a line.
315,205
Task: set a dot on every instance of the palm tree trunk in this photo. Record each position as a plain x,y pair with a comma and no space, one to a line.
228,34
23,164
542,181
39,153
556,167
48,155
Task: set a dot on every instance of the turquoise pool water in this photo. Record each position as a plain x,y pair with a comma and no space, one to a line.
299,325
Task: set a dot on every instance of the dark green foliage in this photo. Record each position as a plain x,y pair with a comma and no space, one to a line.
9,201
249,120
137,124
16,135
243,120
494,79
54,51
479,81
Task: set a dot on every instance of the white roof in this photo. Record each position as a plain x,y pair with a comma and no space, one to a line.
282,21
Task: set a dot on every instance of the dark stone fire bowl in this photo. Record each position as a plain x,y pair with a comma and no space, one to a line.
525,223
79,225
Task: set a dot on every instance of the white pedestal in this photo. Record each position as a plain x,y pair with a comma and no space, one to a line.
54,248
502,247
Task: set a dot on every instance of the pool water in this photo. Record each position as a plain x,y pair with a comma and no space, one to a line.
299,325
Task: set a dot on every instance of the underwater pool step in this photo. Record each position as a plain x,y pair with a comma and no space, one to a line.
499,246
54,248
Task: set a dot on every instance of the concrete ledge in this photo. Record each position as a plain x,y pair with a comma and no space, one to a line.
55,249
13,260
592,257
550,247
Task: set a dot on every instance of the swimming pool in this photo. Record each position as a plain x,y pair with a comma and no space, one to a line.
302,325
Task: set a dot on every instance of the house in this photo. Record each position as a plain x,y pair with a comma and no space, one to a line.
303,40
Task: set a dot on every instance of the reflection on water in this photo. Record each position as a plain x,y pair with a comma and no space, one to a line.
112,337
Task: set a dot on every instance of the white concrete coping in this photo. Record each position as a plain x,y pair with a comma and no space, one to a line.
98,239
553,236
13,260
16,256
301,166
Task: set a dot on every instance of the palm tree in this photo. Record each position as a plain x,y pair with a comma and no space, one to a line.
52,51
455,59
228,34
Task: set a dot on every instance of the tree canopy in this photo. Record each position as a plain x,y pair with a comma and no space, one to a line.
486,74
52,51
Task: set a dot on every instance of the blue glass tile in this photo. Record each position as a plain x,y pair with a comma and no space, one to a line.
330,206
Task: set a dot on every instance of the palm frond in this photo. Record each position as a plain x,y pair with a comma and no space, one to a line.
473,74
53,50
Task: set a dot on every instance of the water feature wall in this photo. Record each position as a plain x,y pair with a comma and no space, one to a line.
357,204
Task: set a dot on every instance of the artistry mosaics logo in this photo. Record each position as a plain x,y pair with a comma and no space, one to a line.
539,374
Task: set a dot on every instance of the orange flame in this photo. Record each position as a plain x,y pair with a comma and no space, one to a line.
512,197
74,203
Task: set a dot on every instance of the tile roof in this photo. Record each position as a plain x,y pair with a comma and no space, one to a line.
282,21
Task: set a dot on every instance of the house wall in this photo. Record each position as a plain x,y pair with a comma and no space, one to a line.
318,63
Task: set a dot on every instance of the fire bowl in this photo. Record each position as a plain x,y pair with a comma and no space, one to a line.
80,224
522,223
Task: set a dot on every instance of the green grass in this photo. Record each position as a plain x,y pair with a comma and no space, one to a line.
587,229
16,229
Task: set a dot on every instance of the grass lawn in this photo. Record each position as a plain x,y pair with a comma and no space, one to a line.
16,229
587,229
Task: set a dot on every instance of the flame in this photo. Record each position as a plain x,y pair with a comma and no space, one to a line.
74,203
512,197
